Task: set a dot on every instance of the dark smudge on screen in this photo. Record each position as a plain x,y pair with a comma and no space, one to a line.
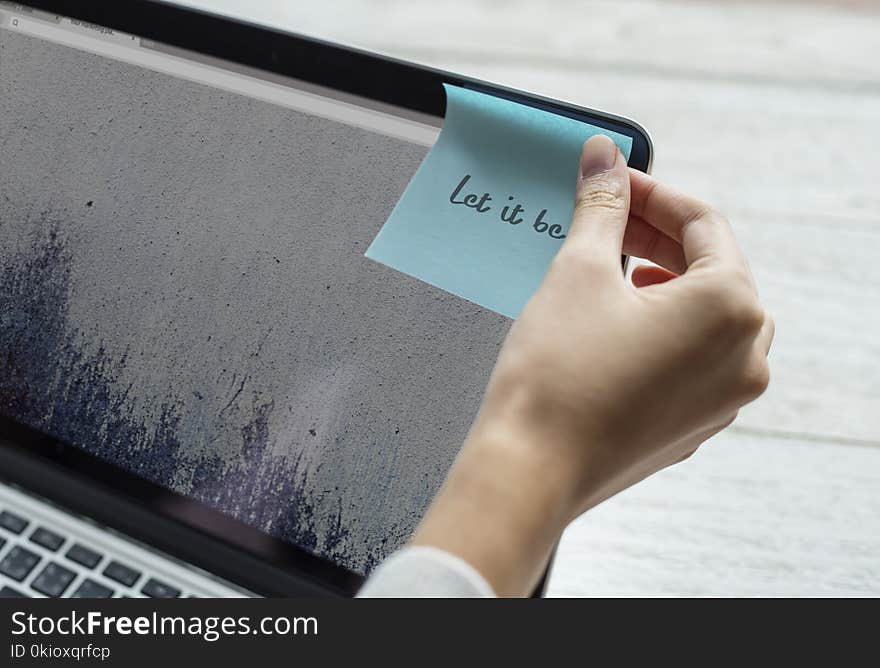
52,381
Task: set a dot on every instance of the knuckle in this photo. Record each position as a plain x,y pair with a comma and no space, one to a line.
770,323
710,212
739,312
728,421
756,379
750,318
600,193
702,211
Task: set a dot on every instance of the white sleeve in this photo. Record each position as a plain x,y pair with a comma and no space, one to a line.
419,570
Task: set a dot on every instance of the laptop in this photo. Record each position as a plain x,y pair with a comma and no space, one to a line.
206,389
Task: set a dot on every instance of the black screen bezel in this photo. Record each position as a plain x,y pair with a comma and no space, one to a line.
217,542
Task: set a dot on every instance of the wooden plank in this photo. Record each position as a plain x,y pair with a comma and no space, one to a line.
745,516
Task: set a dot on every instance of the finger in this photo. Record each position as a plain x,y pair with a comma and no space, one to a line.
601,204
646,275
704,234
646,241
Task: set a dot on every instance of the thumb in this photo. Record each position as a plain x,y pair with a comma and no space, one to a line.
601,207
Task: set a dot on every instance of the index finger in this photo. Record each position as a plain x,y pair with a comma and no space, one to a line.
704,234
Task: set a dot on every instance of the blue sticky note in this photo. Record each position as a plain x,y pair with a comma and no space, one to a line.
457,225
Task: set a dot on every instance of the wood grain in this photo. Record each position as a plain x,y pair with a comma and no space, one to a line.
746,516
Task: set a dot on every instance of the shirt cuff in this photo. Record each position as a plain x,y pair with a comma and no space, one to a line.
423,571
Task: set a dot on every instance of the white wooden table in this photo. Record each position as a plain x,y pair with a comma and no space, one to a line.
772,111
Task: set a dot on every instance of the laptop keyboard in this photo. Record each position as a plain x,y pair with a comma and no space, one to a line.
39,558
55,574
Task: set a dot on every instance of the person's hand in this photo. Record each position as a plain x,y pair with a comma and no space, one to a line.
601,384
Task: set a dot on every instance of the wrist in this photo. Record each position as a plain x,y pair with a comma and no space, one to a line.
536,466
503,507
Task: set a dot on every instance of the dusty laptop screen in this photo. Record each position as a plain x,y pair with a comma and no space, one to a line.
184,292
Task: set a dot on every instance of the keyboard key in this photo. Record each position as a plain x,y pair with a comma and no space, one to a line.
53,580
121,573
48,539
84,556
18,562
91,589
9,592
12,522
156,589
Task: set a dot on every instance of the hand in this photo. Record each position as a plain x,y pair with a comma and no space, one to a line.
599,385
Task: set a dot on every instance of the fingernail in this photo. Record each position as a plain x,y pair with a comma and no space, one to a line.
600,154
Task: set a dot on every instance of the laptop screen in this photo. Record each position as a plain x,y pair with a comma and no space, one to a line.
184,292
